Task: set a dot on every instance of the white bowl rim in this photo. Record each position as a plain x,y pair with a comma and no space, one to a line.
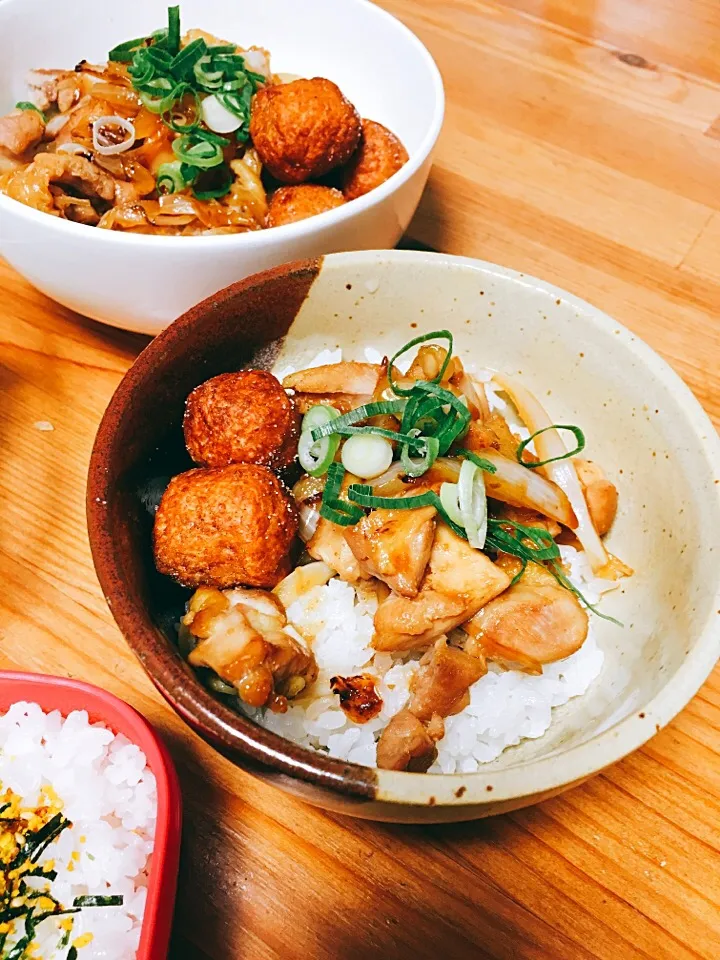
309,227
550,775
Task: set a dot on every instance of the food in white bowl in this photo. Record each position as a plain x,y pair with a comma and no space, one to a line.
78,810
343,207
185,134
441,602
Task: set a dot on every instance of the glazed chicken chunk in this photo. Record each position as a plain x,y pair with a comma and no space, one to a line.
536,621
243,637
458,582
344,385
438,689
20,131
394,545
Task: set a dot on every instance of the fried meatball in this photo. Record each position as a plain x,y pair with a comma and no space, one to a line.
225,526
303,129
243,417
378,157
289,204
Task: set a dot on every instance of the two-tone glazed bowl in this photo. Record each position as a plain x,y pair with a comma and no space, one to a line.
642,424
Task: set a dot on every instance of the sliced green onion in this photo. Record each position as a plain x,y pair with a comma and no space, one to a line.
478,461
363,495
451,428
208,79
198,151
170,178
317,415
123,52
315,456
473,503
507,536
332,507
429,454
26,105
183,63
173,32
434,335
159,95
189,173
365,412
576,431
449,500
172,115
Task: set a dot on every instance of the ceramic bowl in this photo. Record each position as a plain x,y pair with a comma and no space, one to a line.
60,693
642,423
142,282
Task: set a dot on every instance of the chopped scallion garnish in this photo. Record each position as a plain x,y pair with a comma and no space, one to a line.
576,431
433,335
27,105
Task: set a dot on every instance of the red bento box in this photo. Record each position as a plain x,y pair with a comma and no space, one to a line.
59,693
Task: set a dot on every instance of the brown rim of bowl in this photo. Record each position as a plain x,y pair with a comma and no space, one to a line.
233,735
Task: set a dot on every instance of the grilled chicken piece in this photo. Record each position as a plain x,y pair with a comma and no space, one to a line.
492,433
343,402
600,494
329,544
243,639
438,689
31,185
459,581
440,686
536,621
394,545
346,377
21,130
406,742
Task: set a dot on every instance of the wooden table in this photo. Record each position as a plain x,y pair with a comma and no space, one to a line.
582,144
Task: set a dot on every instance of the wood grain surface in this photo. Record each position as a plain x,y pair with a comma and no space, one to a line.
582,145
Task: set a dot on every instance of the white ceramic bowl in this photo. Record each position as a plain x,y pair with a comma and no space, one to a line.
142,282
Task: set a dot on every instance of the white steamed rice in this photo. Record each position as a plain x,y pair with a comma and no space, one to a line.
506,706
109,794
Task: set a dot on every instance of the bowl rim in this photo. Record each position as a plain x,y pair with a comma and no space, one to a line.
543,775
311,226
162,881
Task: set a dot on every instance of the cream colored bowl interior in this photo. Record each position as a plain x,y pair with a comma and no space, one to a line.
642,425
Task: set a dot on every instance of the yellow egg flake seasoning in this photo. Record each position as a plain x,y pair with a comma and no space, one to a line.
83,839
26,885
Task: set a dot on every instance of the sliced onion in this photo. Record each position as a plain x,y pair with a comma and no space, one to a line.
308,488
75,148
514,484
473,503
474,393
309,518
301,580
105,146
390,482
55,125
561,472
